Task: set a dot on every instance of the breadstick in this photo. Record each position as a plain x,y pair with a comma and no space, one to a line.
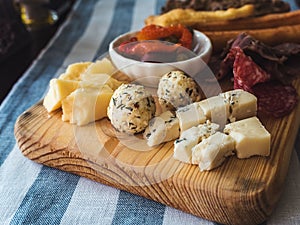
189,16
261,22
270,36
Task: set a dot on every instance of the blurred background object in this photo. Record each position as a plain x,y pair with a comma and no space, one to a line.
26,26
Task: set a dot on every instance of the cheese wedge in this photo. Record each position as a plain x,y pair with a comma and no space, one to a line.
190,115
191,137
212,151
101,66
162,128
58,90
74,71
86,105
98,80
251,137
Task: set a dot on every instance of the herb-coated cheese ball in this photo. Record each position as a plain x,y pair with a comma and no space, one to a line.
176,89
130,108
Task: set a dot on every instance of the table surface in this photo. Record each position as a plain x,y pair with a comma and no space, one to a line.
35,194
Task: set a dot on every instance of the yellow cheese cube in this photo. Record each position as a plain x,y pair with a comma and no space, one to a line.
98,80
74,71
86,105
58,90
251,137
101,66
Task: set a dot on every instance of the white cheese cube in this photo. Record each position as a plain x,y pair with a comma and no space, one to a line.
190,115
162,128
251,137
212,151
242,104
215,109
191,137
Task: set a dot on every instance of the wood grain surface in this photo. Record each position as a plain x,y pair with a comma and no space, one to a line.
238,192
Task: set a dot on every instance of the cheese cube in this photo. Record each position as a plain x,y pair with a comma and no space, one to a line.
98,80
162,128
212,151
86,105
242,104
190,115
191,137
101,66
58,90
74,71
251,137
215,109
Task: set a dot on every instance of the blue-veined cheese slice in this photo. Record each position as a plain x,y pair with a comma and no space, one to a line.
191,137
162,128
190,115
215,109
242,104
212,151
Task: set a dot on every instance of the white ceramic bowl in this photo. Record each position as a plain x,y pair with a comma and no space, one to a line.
147,73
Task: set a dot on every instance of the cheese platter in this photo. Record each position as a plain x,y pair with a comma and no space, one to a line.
82,129
241,191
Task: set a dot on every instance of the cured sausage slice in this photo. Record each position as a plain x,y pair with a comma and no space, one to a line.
275,98
246,72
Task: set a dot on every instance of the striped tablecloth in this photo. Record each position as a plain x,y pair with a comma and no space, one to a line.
31,193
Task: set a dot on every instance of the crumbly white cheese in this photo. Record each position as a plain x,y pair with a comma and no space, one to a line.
251,137
162,128
191,137
176,89
131,108
190,115
212,151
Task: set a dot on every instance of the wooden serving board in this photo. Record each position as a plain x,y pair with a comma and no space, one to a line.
238,192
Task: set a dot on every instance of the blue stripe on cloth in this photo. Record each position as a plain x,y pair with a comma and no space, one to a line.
116,27
159,5
133,209
33,84
47,199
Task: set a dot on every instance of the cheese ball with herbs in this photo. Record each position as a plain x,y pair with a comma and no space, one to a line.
131,108
176,89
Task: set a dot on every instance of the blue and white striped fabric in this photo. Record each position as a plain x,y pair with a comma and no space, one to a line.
31,193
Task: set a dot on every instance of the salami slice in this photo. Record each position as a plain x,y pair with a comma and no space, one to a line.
246,72
275,99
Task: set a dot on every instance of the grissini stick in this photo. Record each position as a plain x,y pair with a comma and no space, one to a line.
261,22
270,36
188,16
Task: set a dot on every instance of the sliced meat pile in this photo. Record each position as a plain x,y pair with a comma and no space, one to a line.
265,71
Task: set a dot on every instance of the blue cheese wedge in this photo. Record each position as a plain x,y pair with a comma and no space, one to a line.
191,137
162,128
251,137
176,89
190,115
242,104
212,151
131,108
